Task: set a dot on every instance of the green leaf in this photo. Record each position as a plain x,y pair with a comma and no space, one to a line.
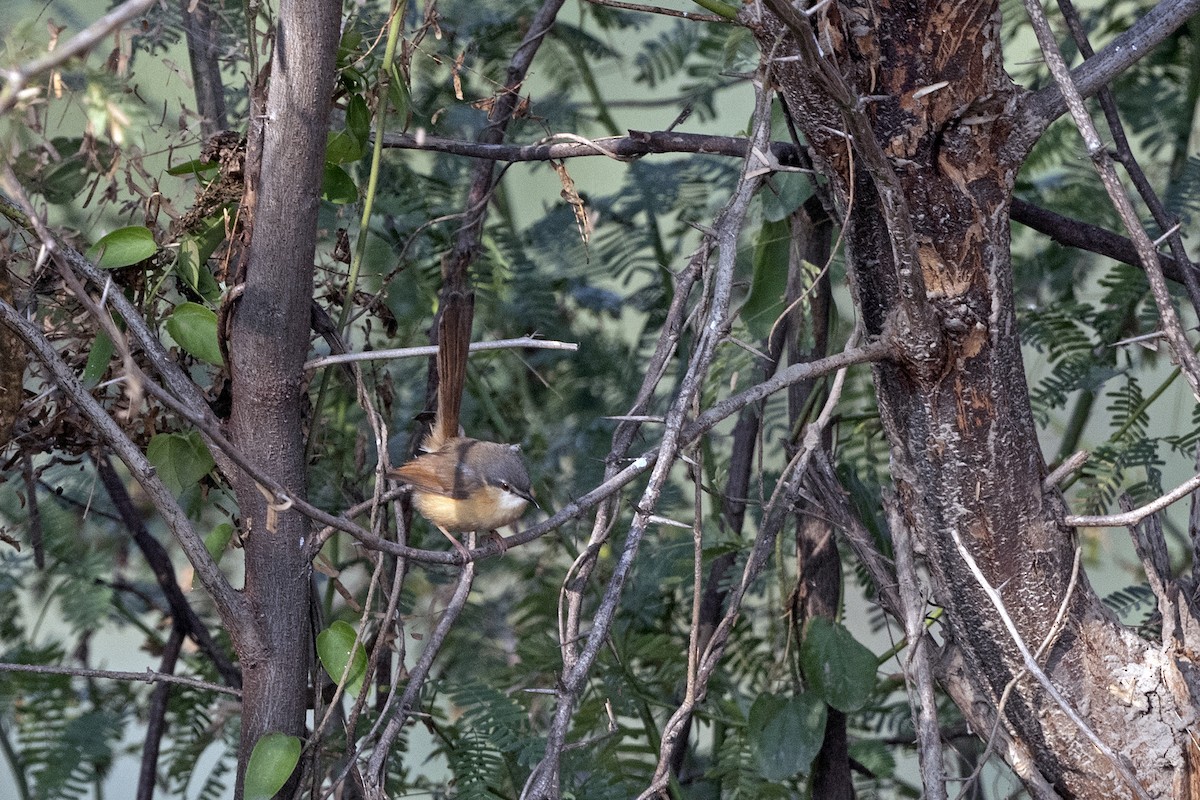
181,459
191,266
786,733
358,119
336,646
194,327
218,539
788,192
338,186
123,247
193,167
399,96
63,182
98,359
271,763
194,252
769,285
838,667
342,147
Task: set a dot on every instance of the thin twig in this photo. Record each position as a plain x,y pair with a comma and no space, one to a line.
17,78
1051,635
1119,763
149,676
666,12
229,603
922,699
156,713
376,766
775,516
1182,349
425,351
1166,222
1067,467
713,331
159,561
1127,518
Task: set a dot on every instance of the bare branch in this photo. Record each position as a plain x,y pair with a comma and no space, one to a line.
374,778
921,696
637,143
524,342
1125,50
1092,238
1180,346
17,78
666,12
1135,516
713,328
149,676
229,602
775,517
1166,222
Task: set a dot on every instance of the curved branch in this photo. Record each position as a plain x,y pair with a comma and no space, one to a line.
1147,254
229,602
1092,238
713,328
1135,516
1046,105
16,79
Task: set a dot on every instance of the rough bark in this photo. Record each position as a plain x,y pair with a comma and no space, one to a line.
268,344
965,456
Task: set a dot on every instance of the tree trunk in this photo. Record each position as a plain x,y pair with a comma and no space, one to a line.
965,456
268,344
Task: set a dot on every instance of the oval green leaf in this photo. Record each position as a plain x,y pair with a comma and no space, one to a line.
194,327
218,539
342,147
337,647
193,167
358,119
123,247
181,459
271,763
768,288
836,665
338,186
786,733
97,363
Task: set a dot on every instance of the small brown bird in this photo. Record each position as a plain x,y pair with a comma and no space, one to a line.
458,483
469,485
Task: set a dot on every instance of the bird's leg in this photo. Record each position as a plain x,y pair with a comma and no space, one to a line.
466,554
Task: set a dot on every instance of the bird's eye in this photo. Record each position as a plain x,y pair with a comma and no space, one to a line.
504,485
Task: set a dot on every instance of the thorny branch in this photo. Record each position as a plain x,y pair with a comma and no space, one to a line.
775,516
713,322
1182,349
143,677
1167,223
1125,50
1064,230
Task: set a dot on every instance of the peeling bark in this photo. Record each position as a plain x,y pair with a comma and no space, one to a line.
929,82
